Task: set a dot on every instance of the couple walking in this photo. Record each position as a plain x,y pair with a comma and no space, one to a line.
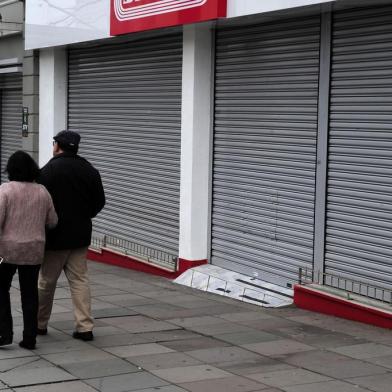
63,198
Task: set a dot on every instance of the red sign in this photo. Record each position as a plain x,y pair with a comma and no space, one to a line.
128,16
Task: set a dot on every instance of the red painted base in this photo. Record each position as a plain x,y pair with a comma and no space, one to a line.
112,258
317,301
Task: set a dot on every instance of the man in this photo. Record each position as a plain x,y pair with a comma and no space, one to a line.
78,195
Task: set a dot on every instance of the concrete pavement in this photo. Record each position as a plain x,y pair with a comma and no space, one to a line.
152,335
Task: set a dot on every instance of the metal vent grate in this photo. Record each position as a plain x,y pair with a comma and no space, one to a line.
349,286
142,253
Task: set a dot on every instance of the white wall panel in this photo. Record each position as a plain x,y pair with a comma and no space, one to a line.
56,22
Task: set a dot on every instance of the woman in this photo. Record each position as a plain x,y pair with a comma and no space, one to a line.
25,209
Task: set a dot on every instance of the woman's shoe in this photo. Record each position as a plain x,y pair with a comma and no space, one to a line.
29,345
5,340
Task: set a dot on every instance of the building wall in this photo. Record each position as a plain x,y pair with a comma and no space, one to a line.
47,24
13,58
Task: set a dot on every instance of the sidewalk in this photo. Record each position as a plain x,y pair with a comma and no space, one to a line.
152,335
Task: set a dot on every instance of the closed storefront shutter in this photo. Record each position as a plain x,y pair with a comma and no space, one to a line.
10,118
125,100
265,148
359,200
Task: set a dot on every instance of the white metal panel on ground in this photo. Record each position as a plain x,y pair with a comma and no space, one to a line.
359,200
125,100
266,109
10,118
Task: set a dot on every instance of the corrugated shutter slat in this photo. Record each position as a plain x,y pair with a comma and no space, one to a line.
359,200
265,148
125,100
10,118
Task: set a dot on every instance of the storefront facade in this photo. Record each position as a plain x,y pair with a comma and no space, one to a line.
11,96
259,142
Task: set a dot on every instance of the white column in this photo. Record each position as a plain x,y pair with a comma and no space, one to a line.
52,98
196,136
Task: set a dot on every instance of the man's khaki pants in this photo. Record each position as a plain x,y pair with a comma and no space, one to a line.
74,264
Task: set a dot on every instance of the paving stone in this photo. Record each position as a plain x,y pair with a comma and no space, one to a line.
26,377
283,378
269,390
227,384
104,293
171,335
162,293
112,312
166,388
315,357
223,354
163,361
195,321
157,310
101,368
108,330
137,324
374,383
14,351
191,344
118,340
346,369
14,363
278,347
78,356
329,340
126,299
204,311
300,330
62,325
271,324
221,328
97,306
190,373
262,365
246,316
73,386
138,349
196,303
60,346
329,386
53,335
382,361
37,364
318,319
366,350
241,338
126,382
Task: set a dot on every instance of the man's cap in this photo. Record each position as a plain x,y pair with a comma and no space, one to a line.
68,138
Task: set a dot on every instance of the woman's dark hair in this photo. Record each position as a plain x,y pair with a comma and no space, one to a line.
22,167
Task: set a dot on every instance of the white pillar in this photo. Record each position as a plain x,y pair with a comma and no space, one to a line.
52,98
196,136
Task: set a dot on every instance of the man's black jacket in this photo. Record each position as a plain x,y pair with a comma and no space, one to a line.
78,195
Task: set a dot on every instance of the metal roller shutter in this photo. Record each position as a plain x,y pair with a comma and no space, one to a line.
125,100
265,148
10,118
359,203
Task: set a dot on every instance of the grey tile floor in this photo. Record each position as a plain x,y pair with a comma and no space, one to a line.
152,335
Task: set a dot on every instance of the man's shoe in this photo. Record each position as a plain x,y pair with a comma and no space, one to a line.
85,336
5,340
29,345
42,331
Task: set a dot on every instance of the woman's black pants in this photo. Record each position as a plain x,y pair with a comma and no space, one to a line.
28,283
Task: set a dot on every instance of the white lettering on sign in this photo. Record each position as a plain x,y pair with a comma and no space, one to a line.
152,8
